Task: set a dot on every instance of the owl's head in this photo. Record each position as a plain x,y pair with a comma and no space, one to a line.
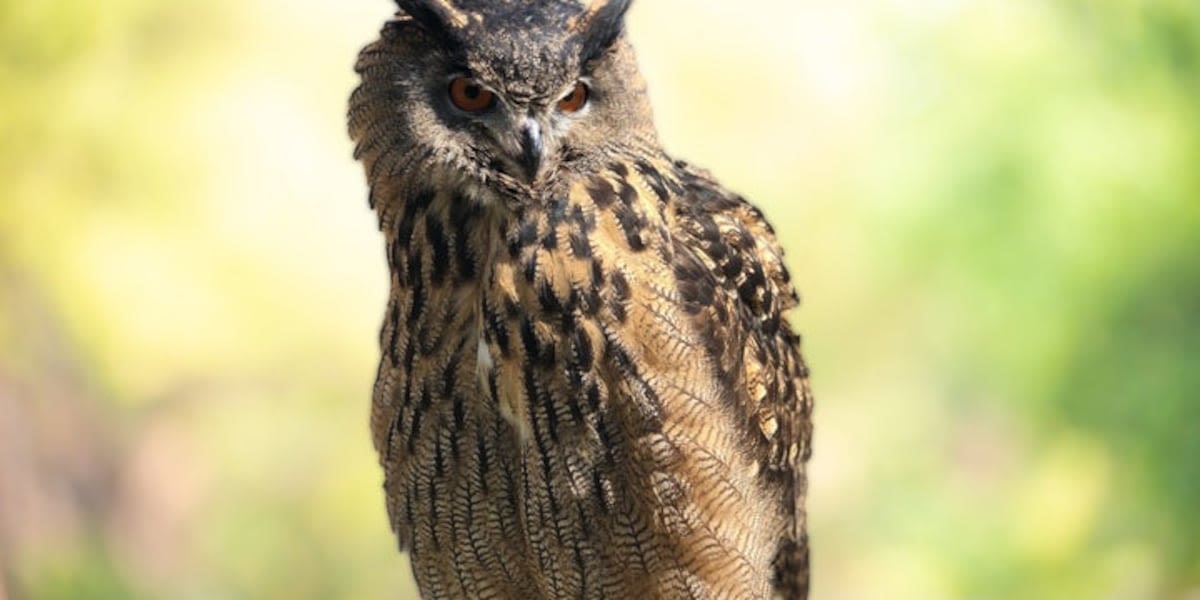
499,94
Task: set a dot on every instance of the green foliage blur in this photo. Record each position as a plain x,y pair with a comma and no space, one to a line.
992,208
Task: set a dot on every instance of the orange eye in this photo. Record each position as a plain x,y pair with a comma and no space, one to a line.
468,95
575,100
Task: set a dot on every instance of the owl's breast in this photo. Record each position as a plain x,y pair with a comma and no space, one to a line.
549,417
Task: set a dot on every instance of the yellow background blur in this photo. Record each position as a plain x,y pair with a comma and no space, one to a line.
992,208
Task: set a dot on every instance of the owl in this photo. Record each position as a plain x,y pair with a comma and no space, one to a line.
587,386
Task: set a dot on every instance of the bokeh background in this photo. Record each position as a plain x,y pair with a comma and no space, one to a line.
992,208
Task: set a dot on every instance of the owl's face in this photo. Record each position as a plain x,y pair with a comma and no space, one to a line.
510,94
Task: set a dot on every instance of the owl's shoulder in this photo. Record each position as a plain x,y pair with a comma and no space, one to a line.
734,241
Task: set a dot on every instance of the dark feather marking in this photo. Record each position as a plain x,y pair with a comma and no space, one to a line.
550,240
601,192
548,300
581,346
632,224
435,234
497,326
732,267
463,214
541,354
694,283
627,193
584,221
414,205
439,457
556,213
414,430
592,392
482,461
621,296
418,287
653,178
581,247
527,233
543,451
394,326
534,392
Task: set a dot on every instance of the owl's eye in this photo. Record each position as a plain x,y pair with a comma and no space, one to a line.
575,100
468,95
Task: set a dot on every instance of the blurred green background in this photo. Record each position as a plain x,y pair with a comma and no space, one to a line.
992,208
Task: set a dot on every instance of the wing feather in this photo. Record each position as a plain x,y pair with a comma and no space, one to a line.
724,243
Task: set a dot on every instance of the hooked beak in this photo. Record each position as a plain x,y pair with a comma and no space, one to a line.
531,148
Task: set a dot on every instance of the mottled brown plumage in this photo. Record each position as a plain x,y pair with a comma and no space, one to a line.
587,386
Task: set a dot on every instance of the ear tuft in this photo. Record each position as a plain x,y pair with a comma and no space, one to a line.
599,26
439,17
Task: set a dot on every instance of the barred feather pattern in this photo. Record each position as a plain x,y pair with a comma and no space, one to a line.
588,390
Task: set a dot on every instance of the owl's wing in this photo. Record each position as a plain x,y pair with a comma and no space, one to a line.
728,259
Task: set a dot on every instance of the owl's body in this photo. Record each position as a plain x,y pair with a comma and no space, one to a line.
587,388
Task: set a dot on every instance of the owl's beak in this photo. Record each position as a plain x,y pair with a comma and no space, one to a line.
531,148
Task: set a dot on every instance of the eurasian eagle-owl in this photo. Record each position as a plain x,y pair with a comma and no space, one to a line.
587,386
